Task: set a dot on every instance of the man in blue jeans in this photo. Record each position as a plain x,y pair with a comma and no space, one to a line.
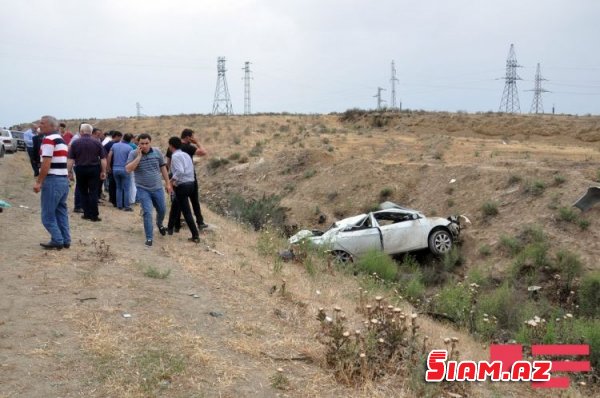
53,183
149,167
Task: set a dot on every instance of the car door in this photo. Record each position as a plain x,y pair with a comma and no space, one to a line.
359,239
402,236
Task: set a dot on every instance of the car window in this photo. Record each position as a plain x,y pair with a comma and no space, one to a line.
388,218
4,134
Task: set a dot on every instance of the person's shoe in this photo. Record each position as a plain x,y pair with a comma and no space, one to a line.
128,209
95,219
67,245
176,229
84,217
162,230
148,243
77,210
169,231
194,239
202,226
51,246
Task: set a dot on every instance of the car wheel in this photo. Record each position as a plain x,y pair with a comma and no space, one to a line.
342,256
440,242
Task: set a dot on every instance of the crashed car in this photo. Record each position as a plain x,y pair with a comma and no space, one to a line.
393,230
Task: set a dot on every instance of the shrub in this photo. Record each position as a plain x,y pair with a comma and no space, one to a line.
504,304
511,244
559,179
310,173
152,272
257,212
535,188
567,214
215,163
568,266
454,301
452,259
589,295
514,179
589,329
583,224
256,149
234,156
378,262
489,209
385,193
485,250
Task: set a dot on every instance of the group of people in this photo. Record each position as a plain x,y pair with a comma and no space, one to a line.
130,167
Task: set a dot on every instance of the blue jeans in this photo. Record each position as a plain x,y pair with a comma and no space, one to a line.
150,199
123,181
55,217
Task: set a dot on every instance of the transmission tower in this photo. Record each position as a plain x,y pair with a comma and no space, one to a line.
247,78
510,96
222,102
537,106
379,100
139,108
393,80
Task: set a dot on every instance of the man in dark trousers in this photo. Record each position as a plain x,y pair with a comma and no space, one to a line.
112,185
90,158
192,147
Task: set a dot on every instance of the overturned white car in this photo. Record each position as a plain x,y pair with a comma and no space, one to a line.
393,230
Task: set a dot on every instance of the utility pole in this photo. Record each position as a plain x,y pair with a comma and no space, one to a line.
378,96
222,101
138,108
247,78
393,80
537,106
510,96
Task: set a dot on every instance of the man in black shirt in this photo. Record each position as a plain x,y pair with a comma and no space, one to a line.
192,147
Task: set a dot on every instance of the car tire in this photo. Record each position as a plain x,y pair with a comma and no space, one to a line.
440,242
342,257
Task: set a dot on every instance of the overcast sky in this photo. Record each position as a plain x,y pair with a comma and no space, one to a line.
97,58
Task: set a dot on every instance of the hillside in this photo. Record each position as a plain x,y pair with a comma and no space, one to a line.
62,312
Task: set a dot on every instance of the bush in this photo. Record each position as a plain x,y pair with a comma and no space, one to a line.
378,262
258,212
504,304
452,259
454,301
535,188
567,214
385,193
512,245
489,209
485,250
589,295
568,266
234,156
215,163
589,329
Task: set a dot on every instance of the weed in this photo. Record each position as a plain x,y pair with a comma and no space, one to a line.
310,173
569,266
535,188
235,156
452,259
236,140
453,301
256,150
485,250
489,209
589,295
514,179
156,366
152,272
243,159
559,179
567,214
503,304
513,245
215,163
257,212
583,224
386,193
450,203
279,380
380,263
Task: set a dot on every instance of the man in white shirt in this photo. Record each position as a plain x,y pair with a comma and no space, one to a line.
182,170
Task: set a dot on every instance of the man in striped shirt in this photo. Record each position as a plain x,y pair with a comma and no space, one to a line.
150,167
53,183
